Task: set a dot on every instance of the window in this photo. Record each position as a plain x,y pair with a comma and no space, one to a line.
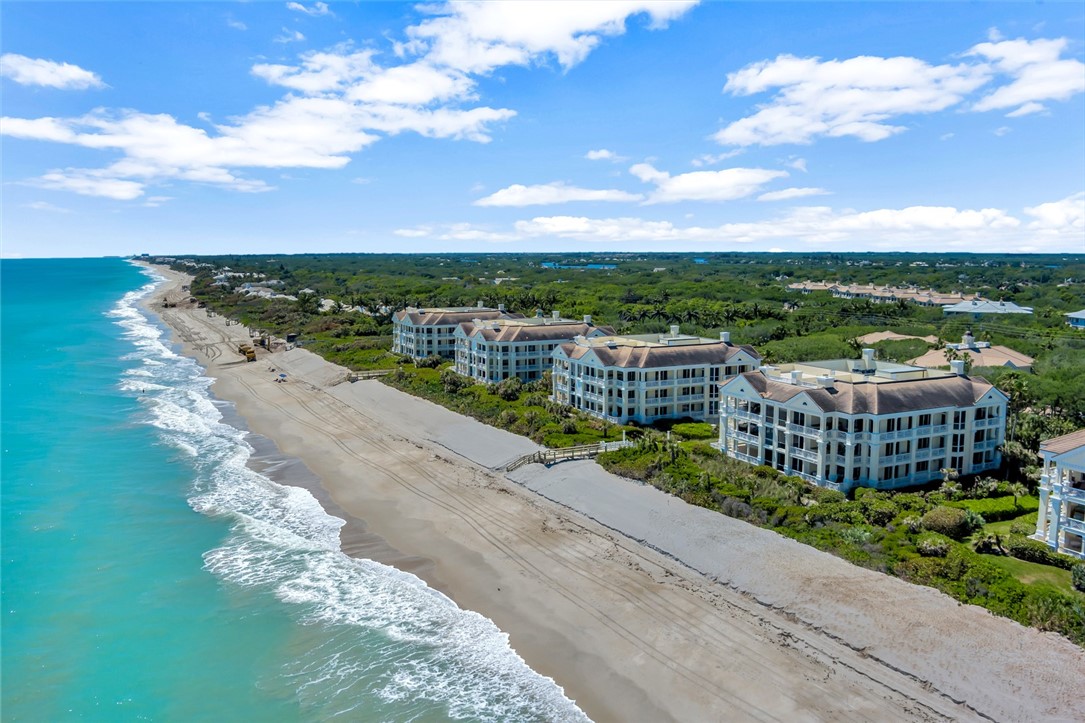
924,420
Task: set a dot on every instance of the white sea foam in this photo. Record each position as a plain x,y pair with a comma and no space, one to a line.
386,641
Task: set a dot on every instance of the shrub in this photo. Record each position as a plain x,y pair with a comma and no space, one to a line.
1021,528
856,535
510,388
931,544
1077,576
694,430
430,362
913,523
453,382
994,509
948,521
989,545
1035,551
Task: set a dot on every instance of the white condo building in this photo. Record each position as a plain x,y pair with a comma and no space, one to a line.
647,377
419,333
861,423
1061,522
494,350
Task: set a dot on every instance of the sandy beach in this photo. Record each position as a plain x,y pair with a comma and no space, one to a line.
640,606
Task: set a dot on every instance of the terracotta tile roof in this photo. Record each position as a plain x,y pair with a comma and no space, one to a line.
533,332
648,357
446,317
1065,443
994,356
877,398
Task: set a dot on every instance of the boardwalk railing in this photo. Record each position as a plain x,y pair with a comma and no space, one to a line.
553,456
370,374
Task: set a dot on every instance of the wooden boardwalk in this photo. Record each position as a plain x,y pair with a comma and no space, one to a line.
553,456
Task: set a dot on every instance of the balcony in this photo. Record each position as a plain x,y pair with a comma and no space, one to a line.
806,454
745,437
1071,494
807,431
1069,524
940,429
743,414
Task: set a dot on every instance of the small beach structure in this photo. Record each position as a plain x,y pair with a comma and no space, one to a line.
491,351
647,377
1061,521
419,333
847,423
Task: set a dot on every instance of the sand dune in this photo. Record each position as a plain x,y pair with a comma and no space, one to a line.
640,606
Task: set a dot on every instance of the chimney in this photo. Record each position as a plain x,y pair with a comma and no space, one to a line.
500,307
968,340
587,319
480,304
725,337
957,367
674,330
555,314
795,376
868,359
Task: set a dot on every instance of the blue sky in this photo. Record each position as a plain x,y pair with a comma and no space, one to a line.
263,127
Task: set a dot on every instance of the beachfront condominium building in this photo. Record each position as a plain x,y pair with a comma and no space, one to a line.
1061,522
490,351
419,333
647,377
862,423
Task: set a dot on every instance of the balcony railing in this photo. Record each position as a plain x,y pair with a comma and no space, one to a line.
804,454
744,414
1072,525
745,437
1071,494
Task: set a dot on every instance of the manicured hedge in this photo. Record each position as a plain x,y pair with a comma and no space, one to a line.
1035,551
995,509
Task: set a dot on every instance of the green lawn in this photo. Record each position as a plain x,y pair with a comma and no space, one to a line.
1032,573
1003,528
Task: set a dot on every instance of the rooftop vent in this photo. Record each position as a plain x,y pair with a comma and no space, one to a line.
725,336
587,319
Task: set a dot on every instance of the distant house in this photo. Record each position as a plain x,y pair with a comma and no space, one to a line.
1061,522
981,354
492,351
979,307
1076,319
648,377
419,333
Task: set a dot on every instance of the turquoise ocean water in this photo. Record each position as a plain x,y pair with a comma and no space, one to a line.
150,574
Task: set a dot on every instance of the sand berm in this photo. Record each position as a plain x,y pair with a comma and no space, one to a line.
642,607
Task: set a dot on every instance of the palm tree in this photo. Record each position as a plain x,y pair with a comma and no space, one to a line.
1017,490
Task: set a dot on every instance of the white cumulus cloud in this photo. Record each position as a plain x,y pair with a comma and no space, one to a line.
787,194
1039,73
726,185
314,10
340,100
552,193
854,97
48,73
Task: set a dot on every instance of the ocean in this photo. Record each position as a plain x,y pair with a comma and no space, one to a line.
154,570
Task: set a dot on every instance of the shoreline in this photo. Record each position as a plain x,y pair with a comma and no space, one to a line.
606,586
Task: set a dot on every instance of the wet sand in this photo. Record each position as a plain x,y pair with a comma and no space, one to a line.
641,607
